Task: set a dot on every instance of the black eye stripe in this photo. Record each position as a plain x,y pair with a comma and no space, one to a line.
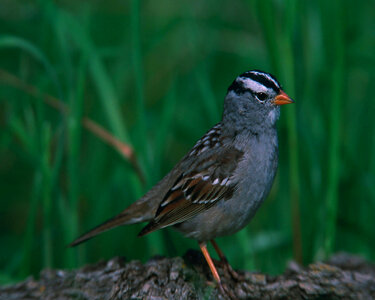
237,87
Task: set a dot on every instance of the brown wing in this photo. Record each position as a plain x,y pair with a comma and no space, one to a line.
208,181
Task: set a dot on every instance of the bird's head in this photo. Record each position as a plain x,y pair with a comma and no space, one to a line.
255,97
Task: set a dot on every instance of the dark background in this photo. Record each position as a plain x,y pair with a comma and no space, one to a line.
154,74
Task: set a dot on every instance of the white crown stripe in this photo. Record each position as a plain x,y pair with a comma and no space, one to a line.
254,85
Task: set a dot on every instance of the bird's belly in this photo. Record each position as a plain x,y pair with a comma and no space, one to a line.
220,220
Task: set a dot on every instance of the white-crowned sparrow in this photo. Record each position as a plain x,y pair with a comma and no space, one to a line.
218,186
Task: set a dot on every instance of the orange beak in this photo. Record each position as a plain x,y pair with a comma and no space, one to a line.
282,99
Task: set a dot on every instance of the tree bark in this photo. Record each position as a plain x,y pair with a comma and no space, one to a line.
342,277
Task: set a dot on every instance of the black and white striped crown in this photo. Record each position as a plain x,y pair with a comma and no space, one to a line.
254,81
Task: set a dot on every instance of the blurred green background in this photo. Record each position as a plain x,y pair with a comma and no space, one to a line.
154,74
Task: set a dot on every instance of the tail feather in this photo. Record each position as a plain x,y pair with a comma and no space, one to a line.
107,225
131,215
142,210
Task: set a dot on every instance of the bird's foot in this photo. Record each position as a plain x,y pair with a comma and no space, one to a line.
230,271
226,291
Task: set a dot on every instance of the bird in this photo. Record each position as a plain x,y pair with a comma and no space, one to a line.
217,187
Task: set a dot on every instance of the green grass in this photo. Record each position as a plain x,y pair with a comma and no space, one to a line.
154,75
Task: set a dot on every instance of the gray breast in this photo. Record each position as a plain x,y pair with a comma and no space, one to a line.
256,174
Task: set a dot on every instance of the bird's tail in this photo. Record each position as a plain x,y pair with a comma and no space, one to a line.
135,213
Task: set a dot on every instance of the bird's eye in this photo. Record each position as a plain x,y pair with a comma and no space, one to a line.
261,96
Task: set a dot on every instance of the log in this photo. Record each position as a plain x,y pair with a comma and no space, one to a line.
344,276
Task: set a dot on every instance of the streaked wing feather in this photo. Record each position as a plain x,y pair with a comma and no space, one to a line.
197,189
